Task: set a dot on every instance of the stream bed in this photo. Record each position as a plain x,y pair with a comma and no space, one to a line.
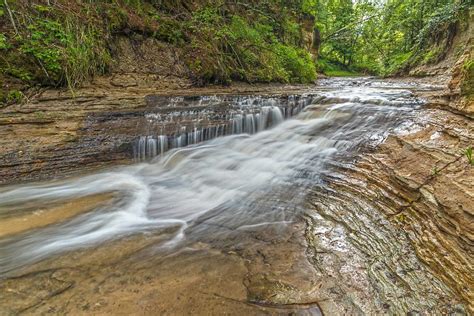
234,204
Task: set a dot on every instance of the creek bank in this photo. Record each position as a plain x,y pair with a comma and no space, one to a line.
57,133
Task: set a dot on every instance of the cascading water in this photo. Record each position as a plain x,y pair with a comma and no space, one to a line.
222,191
247,115
188,182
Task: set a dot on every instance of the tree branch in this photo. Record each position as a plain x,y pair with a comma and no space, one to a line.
348,26
10,14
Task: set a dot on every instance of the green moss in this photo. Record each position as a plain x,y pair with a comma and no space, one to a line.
10,97
467,80
3,42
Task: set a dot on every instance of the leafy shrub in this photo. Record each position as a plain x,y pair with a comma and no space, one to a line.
3,42
68,52
245,51
43,43
170,31
397,62
333,69
14,96
296,62
439,21
10,97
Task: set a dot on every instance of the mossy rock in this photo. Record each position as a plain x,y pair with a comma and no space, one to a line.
467,81
10,97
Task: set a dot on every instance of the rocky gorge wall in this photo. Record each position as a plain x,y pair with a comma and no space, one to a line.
423,183
423,180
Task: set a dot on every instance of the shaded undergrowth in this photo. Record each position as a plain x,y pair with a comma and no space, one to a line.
66,42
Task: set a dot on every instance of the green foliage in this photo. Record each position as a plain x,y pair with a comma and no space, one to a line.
170,31
3,42
41,8
386,37
14,96
10,97
467,83
431,55
234,48
221,42
341,73
43,43
334,69
469,155
67,51
19,73
441,19
297,63
84,53
116,17
396,62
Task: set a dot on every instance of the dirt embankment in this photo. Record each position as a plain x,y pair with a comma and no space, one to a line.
455,71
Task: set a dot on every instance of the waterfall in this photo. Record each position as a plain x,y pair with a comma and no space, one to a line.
151,145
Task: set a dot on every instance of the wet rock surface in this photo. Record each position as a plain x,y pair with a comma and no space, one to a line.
423,182
381,227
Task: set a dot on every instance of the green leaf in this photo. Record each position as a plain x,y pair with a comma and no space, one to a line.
3,42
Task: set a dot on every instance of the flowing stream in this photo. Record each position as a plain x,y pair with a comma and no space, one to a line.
249,169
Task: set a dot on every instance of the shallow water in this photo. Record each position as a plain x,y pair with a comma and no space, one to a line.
218,190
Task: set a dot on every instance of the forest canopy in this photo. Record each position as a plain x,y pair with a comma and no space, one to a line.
385,37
